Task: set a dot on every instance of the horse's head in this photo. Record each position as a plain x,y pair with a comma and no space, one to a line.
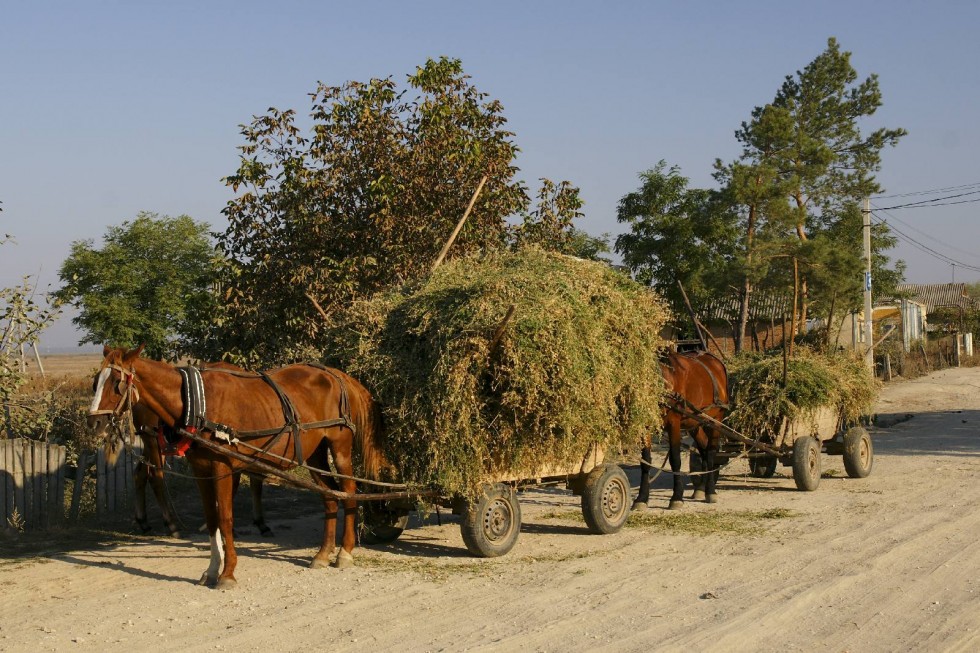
114,394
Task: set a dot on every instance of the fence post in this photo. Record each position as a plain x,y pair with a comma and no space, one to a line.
18,447
62,471
4,475
40,473
76,492
99,482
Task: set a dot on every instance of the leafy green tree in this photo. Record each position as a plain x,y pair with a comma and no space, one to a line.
810,135
365,202
151,282
676,234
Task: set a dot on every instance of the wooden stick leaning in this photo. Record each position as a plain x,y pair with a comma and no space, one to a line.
701,329
459,225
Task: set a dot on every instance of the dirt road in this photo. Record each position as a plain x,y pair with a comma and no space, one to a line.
887,563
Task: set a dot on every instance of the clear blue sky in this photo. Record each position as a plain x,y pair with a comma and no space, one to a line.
109,108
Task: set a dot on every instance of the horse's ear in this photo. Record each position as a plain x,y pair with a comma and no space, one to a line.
105,350
134,353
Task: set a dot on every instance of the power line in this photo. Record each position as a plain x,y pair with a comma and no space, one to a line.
928,192
929,236
933,201
925,248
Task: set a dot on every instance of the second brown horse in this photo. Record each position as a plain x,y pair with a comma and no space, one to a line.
696,381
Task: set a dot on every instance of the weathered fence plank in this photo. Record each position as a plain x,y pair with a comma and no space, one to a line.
76,493
62,472
4,475
39,462
18,469
100,482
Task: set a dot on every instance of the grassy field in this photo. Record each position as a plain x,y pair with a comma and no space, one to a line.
56,365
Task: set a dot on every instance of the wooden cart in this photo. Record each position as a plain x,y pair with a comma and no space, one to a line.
491,522
798,443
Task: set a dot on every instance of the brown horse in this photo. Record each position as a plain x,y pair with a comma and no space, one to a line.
149,469
694,380
331,410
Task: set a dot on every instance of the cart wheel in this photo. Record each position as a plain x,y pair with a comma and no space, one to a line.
606,499
859,455
380,524
491,523
763,466
806,463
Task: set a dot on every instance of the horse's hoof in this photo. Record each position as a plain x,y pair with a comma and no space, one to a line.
320,563
144,526
206,580
175,534
639,506
698,495
711,498
344,560
675,504
226,583
265,530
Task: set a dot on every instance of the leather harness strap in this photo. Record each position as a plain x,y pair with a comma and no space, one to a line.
195,413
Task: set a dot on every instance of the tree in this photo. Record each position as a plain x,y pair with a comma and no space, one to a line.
676,234
22,319
151,282
365,202
810,136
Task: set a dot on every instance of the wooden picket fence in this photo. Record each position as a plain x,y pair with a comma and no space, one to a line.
32,484
113,483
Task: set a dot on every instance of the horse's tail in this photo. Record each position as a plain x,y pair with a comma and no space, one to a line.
368,420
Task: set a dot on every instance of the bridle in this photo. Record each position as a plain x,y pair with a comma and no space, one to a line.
129,394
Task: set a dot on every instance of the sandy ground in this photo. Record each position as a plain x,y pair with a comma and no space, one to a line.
886,563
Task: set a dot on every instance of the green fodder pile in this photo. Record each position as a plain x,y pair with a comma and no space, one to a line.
813,380
575,365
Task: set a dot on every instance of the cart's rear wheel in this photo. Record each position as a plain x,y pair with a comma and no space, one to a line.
763,466
492,522
806,463
606,499
859,455
380,523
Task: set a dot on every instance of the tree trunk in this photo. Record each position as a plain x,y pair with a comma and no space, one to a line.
796,299
743,309
830,317
804,287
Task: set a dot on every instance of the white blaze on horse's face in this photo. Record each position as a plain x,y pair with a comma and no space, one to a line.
99,390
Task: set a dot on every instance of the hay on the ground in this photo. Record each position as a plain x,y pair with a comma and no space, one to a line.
813,380
575,365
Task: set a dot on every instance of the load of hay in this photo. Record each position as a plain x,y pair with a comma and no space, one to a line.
465,400
814,380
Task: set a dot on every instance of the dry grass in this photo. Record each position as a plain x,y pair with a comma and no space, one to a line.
576,365
716,522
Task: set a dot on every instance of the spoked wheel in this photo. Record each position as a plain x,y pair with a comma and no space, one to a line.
806,463
492,522
380,523
763,466
859,455
606,499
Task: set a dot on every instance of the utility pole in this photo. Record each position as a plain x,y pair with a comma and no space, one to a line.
869,354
